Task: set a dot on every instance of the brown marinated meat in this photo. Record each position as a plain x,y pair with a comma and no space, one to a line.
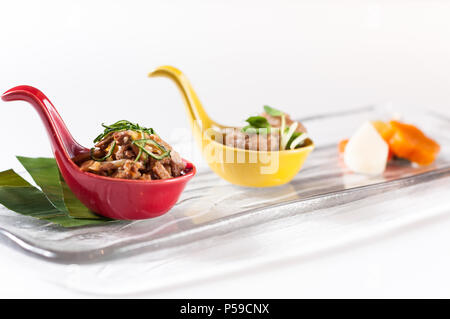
275,121
122,161
249,141
259,142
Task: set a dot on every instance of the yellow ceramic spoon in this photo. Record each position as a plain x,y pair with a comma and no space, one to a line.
238,166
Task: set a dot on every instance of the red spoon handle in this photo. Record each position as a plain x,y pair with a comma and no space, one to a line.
61,139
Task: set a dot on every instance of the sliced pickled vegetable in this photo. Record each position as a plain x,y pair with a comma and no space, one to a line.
342,144
366,151
286,136
296,141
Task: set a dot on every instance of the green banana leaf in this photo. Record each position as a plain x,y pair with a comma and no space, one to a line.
45,173
75,208
21,197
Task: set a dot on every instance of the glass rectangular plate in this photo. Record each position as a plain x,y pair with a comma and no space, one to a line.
210,206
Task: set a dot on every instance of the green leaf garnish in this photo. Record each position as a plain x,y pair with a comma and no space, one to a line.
256,123
272,112
75,208
247,128
21,197
45,173
15,193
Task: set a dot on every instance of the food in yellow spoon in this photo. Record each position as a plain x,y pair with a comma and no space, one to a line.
238,165
403,140
273,130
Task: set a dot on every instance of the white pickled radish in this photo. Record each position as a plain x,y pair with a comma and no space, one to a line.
366,151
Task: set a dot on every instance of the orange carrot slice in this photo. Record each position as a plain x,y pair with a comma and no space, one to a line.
407,141
385,129
341,146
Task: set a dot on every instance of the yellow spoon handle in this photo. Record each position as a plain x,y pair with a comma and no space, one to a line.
196,113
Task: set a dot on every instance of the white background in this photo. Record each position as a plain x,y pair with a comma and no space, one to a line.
91,59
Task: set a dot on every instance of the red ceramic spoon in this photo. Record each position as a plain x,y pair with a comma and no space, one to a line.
110,197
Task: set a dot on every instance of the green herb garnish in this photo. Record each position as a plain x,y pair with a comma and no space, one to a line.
255,124
272,112
122,125
143,142
289,138
258,122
